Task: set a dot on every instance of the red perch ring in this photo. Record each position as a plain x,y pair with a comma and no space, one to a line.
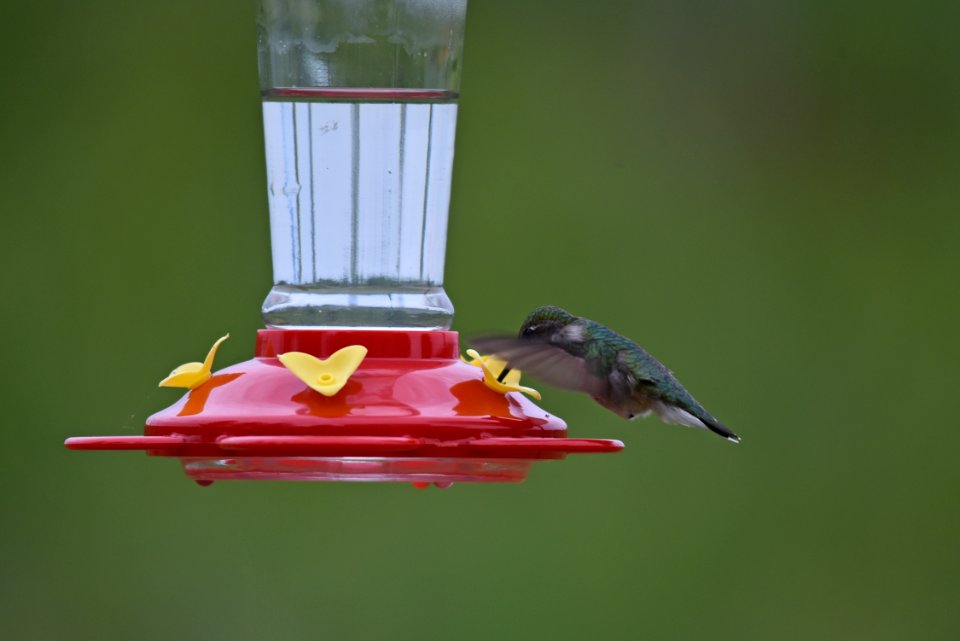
412,411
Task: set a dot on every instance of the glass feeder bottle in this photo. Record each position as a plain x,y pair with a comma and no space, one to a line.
359,113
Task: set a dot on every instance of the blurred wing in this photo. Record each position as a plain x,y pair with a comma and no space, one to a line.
551,364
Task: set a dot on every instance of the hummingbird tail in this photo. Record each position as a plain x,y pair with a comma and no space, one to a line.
721,429
676,415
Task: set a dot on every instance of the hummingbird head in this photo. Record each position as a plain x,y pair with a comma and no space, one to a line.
545,321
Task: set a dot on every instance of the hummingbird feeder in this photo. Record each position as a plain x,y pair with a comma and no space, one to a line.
357,376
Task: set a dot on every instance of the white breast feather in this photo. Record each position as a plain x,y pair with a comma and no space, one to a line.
676,416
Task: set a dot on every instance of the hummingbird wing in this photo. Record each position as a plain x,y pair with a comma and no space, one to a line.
547,362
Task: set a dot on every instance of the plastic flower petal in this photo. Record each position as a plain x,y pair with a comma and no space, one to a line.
193,375
492,368
325,376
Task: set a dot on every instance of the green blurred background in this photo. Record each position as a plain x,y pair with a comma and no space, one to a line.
764,194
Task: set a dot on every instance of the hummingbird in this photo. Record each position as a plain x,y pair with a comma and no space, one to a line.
581,355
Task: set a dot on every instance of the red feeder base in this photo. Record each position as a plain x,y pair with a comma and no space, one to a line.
412,412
